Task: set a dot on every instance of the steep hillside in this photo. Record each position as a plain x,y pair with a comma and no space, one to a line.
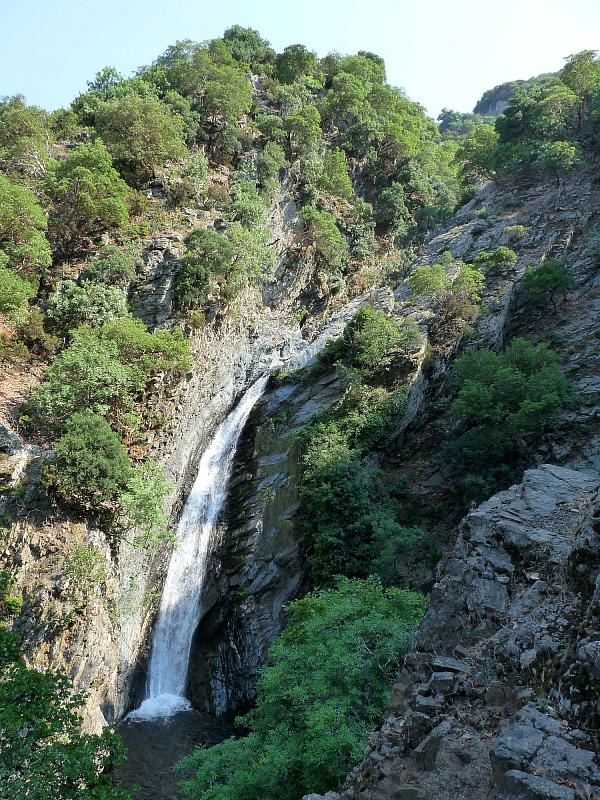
413,499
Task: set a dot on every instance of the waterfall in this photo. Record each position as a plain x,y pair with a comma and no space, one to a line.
179,610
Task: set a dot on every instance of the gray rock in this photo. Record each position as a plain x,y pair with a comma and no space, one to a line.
535,787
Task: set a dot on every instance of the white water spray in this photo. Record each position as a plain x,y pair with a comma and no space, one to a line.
180,603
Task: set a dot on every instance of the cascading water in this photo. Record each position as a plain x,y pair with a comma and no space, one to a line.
180,603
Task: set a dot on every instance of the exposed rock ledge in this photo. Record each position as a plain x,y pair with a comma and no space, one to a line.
499,694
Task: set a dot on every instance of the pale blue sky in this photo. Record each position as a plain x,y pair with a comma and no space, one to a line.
442,52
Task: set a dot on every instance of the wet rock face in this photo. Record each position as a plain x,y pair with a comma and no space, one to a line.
499,694
258,560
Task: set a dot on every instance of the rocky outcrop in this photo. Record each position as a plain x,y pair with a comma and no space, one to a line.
498,697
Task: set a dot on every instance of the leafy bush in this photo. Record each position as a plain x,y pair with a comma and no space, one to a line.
91,464
245,205
209,256
270,161
88,197
142,502
503,259
505,402
454,288
219,266
24,137
335,177
85,570
141,133
112,265
22,227
330,245
324,687
375,342
44,754
73,304
104,369
15,291
543,283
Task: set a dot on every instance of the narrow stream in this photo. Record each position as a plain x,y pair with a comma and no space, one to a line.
180,603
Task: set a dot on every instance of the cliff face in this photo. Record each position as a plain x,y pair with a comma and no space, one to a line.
498,695
101,638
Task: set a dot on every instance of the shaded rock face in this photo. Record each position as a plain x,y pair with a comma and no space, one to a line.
498,697
258,563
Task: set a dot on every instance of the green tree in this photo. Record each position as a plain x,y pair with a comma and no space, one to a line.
141,133
304,130
335,178
454,288
581,74
208,258
74,304
45,756
269,163
503,405
558,157
375,342
542,284
142,500
247,46
15,291
24,138
326,683
111,265
91,465
477,153
88,196
22,227
331,247
502,259
295,62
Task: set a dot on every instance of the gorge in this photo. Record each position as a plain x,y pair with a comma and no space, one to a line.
300,425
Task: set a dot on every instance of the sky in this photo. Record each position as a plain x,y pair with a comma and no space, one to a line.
443,53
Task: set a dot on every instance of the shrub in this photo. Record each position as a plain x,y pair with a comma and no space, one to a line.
112,265
219,266
245,205
15,291
141,133
85,570
24,137
325,685
142,503
545,282
269,163
88,196
330,245
342,502
73,304
32,332
375,342
104,369
503,259
335,178
208,258
44,754
454,288
22,227
505,402
91,464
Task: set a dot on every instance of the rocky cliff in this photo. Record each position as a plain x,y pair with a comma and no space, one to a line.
499,694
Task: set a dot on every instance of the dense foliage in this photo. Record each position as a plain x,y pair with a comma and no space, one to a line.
347,511
504,403
547,124
326,683
44,754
